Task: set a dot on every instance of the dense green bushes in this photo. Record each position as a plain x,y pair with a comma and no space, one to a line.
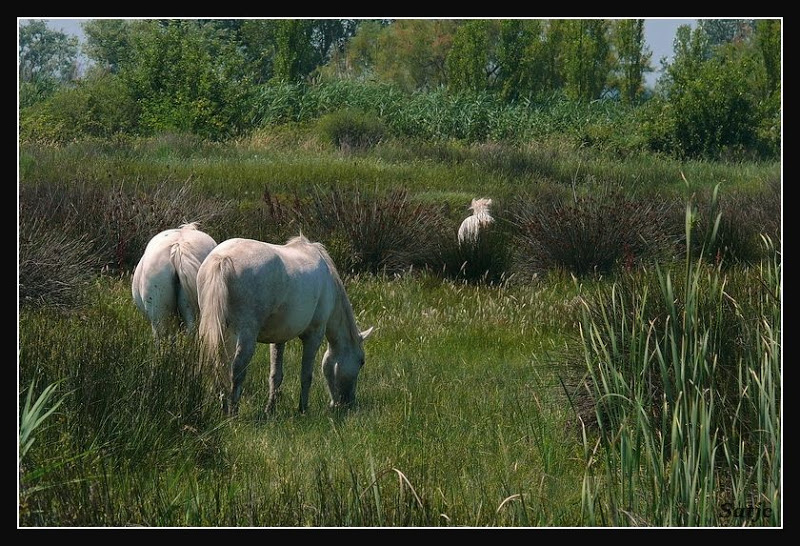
352,130
519,81
702,122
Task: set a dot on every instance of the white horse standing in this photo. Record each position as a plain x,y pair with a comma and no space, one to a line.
164,283
472,226
255,292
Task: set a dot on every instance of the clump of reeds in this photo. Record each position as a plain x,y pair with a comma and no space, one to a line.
685,384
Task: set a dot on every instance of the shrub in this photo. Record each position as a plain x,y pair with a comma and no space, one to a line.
54,266
367,232
592,234
352,130
744,217
113,225
100,106
712,113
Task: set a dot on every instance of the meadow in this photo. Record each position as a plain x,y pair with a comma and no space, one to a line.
611,357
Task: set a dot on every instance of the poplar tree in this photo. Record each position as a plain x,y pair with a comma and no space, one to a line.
587,58
468,59
632,57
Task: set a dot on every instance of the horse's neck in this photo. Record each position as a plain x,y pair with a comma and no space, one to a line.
341,330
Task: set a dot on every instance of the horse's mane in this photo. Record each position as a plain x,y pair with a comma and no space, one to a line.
189,225
481,206
355,333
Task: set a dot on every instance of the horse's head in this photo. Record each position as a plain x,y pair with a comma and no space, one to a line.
480,205
341,365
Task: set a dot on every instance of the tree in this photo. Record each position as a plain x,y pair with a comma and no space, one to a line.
768,40
522,59
712,103
468,58
256,38
329,37
725,31
46,54
293,53
412,53
108,42
359,55
691,49
587,58
188,77
554,54
633,57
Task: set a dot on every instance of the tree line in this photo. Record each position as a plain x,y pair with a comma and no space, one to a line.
206,76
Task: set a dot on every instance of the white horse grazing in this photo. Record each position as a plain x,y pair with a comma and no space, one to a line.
254,292
472,226
164,283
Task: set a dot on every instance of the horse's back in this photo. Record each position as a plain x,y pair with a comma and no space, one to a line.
275,292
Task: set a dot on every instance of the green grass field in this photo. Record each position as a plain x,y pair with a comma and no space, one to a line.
480,405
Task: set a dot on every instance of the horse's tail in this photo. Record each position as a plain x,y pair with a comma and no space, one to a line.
212,291
186,265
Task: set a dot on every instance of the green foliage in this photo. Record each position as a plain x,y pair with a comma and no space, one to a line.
633,58
45,54
726,31
46,61
109,42
768,39
352,129
473,80
293,50
34,414
359,56
31,93
714,97
523,60
714,112
587,58
187,77
468,58
462,417
98,106
412,53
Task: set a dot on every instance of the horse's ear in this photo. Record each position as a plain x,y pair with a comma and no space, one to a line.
366,333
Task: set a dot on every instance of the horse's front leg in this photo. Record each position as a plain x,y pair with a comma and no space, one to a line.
311,343
275,373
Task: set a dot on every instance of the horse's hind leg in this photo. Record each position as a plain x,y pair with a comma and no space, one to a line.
186,310
245,347
275,373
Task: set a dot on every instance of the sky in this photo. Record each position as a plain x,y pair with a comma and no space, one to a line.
659,34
